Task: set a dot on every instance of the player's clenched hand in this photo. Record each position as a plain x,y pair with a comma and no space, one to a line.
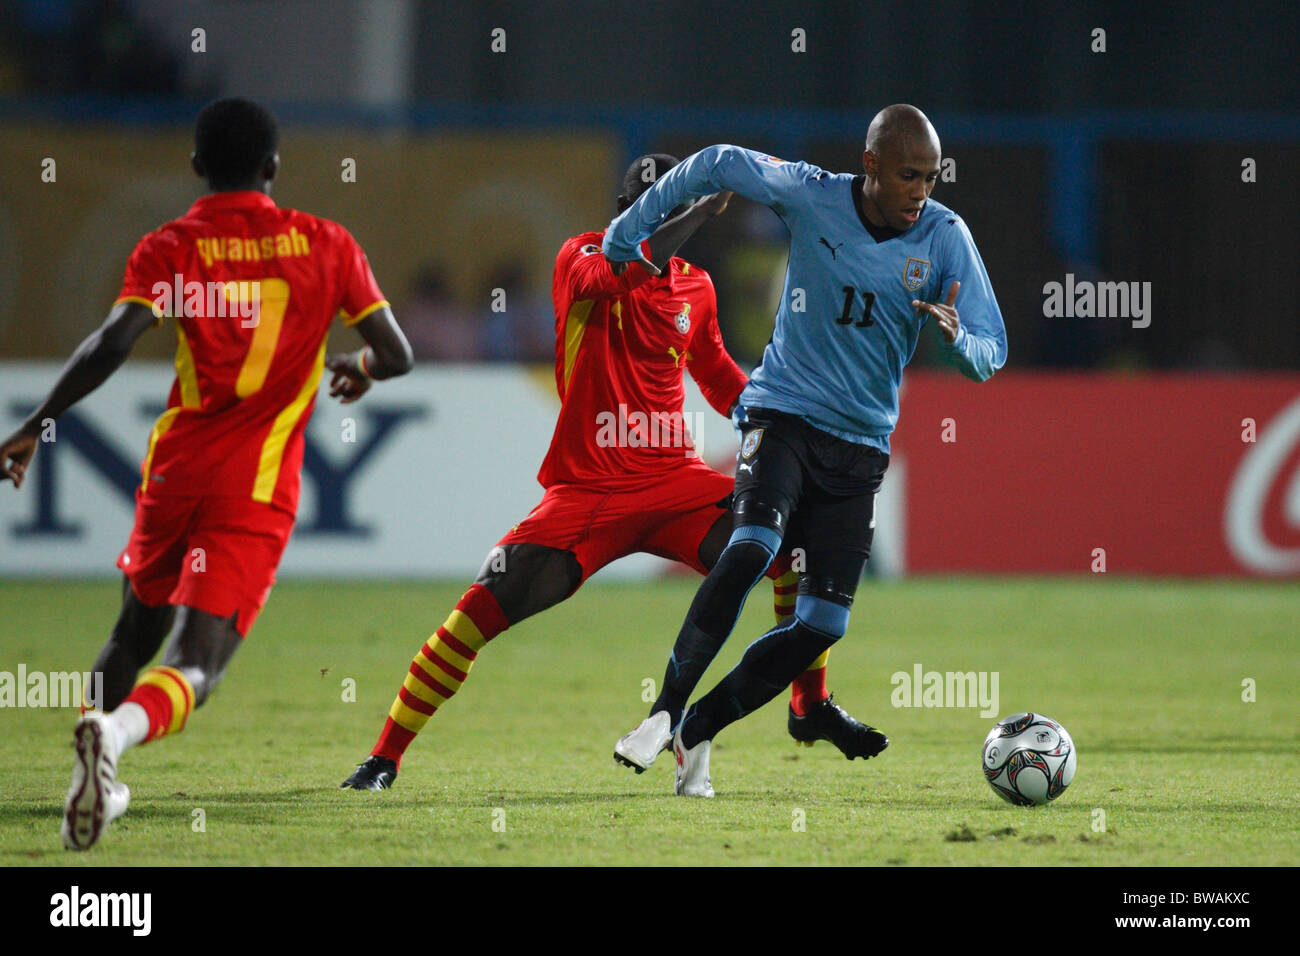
349,382
945,313
716,204
15,453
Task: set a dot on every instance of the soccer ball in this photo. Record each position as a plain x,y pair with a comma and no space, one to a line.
1028,759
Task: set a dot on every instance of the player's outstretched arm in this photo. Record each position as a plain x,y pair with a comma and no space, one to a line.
386,354
98,356
672,235
753,175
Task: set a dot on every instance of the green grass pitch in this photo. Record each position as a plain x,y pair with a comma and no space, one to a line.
517,769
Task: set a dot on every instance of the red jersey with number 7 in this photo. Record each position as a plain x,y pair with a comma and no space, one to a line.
253,289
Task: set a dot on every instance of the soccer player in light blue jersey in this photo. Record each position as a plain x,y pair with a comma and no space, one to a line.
872,260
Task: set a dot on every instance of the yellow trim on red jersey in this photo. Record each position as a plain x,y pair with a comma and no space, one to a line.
575,324
158,314
186,372
160,427
268,465
351,320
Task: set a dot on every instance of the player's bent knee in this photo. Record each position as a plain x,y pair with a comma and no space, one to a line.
838,589
827,618
528,578
745,558
751,511
201,648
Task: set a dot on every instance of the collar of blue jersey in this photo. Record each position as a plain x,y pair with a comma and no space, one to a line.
878,233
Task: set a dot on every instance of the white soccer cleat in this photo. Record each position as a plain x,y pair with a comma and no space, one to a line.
96,798
692,768
639,749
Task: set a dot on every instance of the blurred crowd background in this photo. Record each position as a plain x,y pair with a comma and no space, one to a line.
483,134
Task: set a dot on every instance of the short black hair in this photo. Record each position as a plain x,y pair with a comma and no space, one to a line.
233,138
644,173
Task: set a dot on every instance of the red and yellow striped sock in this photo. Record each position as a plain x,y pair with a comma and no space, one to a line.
809,688
785,588
439,669
167,697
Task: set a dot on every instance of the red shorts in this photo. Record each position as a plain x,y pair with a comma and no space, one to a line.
668,516
214,553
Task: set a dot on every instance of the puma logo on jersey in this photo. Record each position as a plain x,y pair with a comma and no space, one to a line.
678,357
830,247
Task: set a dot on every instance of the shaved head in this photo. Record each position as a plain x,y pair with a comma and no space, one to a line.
897,126
901,162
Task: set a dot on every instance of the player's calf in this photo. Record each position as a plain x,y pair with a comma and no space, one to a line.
767,667
713,612
138,633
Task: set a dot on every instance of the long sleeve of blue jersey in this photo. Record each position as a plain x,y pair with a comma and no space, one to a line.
980,348
745,172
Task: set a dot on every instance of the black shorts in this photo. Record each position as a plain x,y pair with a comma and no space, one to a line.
825,487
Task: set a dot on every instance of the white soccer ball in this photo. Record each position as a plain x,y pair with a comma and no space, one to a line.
1028,759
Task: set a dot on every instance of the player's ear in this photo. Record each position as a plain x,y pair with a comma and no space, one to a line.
869,164
271,167
196,164
623,203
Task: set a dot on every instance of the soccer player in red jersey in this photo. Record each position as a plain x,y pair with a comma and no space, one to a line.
621,475
253,290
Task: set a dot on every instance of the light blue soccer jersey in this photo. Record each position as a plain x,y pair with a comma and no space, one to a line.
845,326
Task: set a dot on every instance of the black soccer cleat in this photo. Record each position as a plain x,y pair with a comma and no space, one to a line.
829,721
377,773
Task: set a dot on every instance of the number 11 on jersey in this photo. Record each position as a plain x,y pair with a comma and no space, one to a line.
868,302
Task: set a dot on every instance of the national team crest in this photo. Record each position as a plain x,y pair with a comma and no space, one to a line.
750,444
683,319
915,272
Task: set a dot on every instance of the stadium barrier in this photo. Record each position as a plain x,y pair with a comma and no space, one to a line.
1186,474
1028,473
419,479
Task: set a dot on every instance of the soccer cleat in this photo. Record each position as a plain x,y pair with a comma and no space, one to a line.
692,768
639,749
376,773
96,798
828,721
